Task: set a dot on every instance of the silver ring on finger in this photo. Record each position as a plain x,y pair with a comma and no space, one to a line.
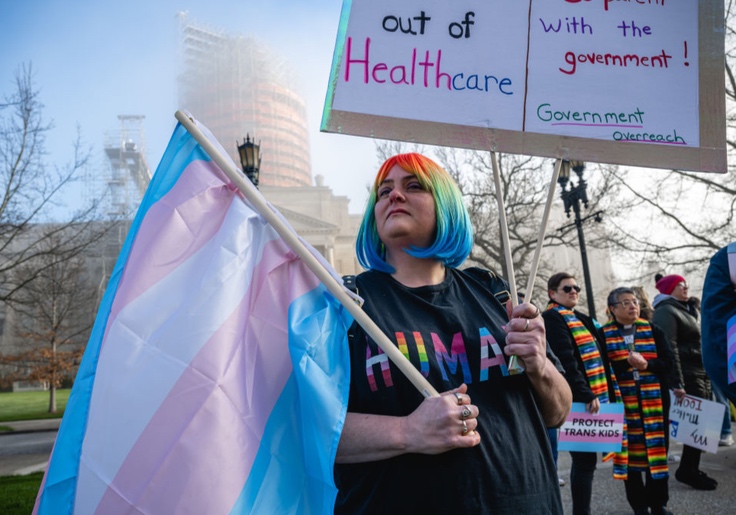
465,414
526,326
465,428
459,399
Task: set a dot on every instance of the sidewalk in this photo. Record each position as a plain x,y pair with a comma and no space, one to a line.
609,497
31,426
15,462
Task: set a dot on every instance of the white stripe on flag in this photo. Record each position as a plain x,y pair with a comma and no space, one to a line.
154,338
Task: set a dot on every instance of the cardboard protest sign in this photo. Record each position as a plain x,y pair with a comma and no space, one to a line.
638,83
696,422
583,431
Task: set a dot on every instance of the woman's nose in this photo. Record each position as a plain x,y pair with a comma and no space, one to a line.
396,196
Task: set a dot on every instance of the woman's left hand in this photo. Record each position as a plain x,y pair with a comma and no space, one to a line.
526,336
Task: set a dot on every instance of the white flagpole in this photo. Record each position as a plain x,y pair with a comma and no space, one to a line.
542,231
515,367
293,241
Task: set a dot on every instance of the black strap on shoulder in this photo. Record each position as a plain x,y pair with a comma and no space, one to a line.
497,286
349,282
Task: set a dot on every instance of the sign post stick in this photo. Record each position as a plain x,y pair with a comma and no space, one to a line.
515,367
542,231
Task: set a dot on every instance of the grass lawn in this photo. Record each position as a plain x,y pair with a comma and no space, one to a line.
30,405
18,493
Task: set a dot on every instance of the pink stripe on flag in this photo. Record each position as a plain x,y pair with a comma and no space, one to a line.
197,450
175,228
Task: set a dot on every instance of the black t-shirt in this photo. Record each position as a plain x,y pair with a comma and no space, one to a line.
452,334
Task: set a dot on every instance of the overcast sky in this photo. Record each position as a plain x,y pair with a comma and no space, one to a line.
95,60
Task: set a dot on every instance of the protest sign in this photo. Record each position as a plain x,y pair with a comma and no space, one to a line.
585,432
696,422
638,83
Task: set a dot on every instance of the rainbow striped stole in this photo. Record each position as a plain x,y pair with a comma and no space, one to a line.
645,438
592,362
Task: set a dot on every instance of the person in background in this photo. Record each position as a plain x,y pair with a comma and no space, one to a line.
694,303
679,321
645,306
481,446
642,363
575,340
719,305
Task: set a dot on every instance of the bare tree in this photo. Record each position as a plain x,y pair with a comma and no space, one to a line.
29,188
54,312
525,183
43,263
674,220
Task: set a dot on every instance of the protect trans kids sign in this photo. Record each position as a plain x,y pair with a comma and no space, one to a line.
586,432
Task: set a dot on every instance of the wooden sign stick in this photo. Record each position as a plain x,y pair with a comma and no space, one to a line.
542,231
515,367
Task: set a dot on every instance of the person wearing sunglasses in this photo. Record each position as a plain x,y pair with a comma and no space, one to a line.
679,321
575,340
641,359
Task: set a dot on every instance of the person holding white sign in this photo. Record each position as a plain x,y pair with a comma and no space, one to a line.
575,340
642,362
481,446
679,321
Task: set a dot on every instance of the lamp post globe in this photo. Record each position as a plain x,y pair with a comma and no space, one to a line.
250,159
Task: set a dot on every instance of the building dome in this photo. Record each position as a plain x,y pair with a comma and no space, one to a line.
237,86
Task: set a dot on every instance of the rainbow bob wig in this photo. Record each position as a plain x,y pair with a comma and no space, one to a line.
454,238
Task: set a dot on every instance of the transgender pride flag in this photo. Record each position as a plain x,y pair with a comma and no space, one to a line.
215,379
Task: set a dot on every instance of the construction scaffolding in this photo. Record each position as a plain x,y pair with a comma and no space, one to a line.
129,173
235,85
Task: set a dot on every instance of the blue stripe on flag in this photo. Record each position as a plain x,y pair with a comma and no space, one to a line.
589,447
293,469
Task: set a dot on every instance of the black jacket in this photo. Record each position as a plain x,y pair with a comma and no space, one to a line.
679,322
563,345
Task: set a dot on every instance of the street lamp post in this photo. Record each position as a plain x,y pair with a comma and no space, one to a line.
572,199
250,159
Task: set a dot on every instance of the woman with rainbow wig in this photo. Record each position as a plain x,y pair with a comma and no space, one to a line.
481,446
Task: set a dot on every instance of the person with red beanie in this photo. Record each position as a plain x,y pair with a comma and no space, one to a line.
667,284
679,321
